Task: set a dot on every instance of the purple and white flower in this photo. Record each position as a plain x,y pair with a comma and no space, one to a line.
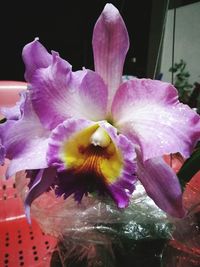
88,131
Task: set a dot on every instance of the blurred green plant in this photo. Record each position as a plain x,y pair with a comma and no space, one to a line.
188,93
182,81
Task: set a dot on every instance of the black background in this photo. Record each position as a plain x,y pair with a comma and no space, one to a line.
66,27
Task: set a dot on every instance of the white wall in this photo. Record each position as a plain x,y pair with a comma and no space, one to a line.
187,41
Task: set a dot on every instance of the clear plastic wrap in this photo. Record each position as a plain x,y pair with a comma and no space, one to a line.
90,230
184,249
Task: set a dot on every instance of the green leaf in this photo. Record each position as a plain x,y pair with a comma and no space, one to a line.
189,168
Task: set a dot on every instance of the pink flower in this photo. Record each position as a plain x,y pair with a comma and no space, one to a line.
87,131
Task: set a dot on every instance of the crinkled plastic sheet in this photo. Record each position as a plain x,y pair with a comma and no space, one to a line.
184,249
84,229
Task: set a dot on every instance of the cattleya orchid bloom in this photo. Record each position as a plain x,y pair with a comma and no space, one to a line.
85,131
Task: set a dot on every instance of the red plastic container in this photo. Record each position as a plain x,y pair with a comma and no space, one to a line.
21,244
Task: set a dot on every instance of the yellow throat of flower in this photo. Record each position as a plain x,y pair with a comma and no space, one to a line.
93,151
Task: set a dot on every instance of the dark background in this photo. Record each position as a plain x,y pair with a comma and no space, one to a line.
66,27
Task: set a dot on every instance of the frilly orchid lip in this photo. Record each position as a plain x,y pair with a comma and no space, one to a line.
61,126
83,166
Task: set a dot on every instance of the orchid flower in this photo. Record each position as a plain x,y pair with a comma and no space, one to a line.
87,131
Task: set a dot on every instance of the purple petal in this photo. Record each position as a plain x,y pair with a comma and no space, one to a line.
93,97
58,94
2,153
162,185
35,56
148,111
70,183
44,179
15,112
25,141
31,156
110,45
